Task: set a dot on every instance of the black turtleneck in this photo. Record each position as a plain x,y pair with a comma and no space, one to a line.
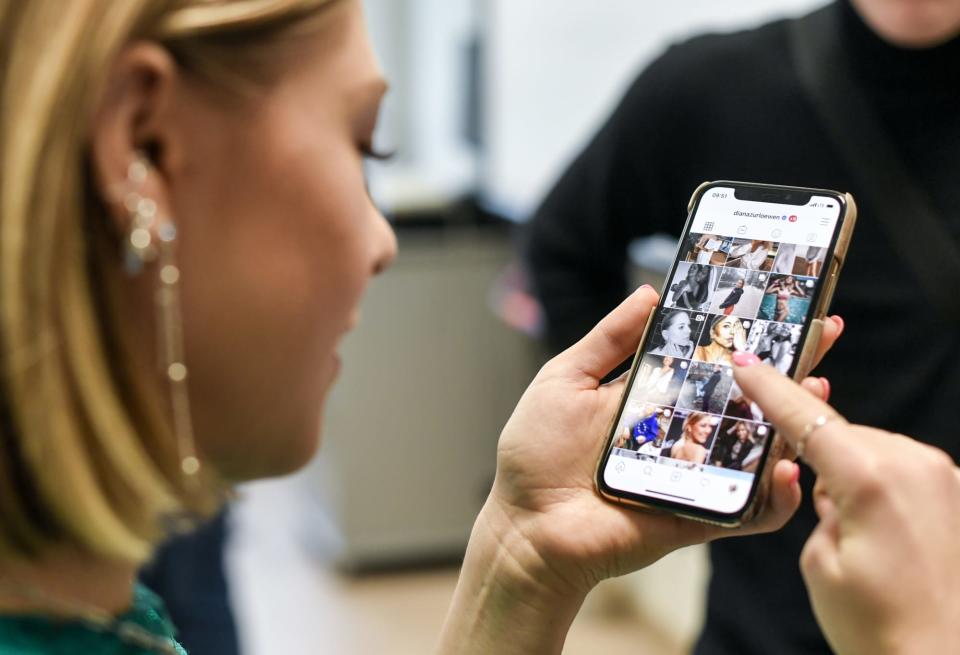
731,107
916,94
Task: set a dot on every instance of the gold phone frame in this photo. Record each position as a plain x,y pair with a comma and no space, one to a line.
778,448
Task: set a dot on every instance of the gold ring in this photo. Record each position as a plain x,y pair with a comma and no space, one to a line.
809,429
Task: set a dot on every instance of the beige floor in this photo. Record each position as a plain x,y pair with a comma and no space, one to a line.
290,603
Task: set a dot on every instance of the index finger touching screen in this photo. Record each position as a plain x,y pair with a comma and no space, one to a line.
807,423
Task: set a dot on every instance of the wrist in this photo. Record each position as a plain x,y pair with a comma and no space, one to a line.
509,599
528,558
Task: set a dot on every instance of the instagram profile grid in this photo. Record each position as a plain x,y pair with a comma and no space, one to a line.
685,410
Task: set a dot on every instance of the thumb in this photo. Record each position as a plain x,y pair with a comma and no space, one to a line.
613,339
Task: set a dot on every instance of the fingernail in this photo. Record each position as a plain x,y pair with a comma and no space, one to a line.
795,476
646,286
826,389
839,321
744,358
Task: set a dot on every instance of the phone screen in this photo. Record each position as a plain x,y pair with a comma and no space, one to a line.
746,277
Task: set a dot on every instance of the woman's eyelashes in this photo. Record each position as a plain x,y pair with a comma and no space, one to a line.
371,153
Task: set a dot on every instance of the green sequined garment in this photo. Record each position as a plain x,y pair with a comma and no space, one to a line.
32,635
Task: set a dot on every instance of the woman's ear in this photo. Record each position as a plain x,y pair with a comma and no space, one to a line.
134,122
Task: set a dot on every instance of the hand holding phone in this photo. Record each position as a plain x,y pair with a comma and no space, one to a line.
544,537
701,446
543,501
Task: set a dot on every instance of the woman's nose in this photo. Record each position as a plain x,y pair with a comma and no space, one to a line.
385,244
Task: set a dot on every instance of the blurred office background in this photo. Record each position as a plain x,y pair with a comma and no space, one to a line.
490,100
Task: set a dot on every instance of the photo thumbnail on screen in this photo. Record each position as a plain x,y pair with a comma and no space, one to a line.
721,337
706,388
805,261
690,437
739,444
659,379
676,332
692,286
739,292
643,428
752,254
775,343
705,249
787,298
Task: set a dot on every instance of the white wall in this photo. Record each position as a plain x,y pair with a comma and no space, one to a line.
556,69
422,47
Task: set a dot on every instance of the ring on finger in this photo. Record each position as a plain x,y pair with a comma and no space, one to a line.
809,429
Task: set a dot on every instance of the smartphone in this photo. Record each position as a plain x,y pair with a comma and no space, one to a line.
755,270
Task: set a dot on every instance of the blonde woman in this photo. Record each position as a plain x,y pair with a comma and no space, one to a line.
726,335
692,445
185,237
733,446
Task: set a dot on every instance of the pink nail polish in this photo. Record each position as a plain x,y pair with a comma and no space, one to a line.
744,358
826,389
839,321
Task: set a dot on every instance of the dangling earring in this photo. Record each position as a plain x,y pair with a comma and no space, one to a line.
152,239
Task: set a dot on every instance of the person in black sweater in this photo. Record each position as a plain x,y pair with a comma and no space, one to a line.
732,107
732,298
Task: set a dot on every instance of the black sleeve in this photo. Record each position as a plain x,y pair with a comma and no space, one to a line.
575,247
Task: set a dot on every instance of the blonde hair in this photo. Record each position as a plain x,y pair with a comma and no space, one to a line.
693,420
87,452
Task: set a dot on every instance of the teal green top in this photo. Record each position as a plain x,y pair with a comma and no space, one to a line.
34,635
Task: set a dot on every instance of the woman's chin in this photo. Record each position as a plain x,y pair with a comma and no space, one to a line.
277,441
276,463
282,451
